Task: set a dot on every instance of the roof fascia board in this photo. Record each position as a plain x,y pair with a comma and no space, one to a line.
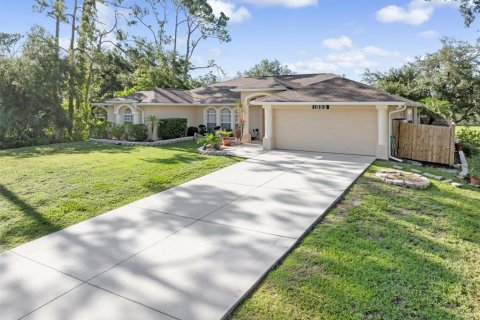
332,103
184,104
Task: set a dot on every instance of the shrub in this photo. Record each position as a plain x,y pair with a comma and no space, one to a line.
474,165
467,135
470,149
212,140
191,131
172,128
225,133
202,129
101,129
118,131
136,132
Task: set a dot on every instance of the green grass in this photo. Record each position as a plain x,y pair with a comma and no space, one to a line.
475,128
384,252
47,188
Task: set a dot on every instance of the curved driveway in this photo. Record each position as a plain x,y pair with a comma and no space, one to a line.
191,252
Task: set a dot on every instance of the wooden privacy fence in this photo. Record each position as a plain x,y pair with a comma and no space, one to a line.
424,142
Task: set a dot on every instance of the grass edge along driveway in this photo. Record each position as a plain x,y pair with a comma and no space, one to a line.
383,252
44,189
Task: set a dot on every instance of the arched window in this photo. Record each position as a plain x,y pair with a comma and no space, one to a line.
226,119
211,118
128,116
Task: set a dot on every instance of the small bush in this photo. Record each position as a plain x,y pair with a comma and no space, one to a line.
212,140
118,132
191,131
468,135
172,128
101,129
470,149
136,132
202,129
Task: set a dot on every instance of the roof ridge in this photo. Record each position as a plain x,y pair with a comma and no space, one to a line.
286,75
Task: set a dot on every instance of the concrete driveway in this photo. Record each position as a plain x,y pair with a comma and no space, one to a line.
191,252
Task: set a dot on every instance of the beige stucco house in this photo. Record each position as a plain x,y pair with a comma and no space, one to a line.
311,112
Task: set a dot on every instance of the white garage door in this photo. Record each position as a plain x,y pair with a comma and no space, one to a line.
339,130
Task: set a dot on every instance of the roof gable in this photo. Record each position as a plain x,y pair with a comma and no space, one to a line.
337,89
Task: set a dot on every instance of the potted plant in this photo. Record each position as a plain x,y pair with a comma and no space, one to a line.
225,135
474,167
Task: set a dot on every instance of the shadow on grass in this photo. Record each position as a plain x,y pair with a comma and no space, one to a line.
86,147
37,220
396,254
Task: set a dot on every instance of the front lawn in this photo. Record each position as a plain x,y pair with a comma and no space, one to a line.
384,252
47,188
459,128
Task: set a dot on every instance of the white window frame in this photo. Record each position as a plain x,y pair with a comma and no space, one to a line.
224,121
128,116
208,113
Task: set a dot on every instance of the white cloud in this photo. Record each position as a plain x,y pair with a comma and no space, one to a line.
415,13
350,59
343,56
216,52
338,43
236,14
376,51
315,65
428,34
283,3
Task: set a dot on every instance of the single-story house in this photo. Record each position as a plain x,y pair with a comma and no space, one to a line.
311,112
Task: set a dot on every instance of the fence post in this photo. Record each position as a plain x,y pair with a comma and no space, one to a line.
452,144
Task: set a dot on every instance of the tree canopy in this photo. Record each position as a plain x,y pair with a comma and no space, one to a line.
46,88
267,68
451,75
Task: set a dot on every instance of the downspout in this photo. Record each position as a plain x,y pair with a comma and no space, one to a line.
400,108
142,112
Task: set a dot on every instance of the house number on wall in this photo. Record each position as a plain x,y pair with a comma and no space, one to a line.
320,107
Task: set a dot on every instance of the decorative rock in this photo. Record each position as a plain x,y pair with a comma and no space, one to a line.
448,181
402,178
142,143
464,165
426,174
415,163
415,170
473,185
456,184
398,167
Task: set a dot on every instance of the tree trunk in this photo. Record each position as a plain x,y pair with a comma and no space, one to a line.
71,59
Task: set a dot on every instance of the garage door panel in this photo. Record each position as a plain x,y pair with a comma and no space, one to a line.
338,131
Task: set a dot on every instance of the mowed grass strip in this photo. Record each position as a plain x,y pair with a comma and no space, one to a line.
47,188
384,252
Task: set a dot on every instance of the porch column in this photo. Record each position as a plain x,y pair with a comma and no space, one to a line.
382,124
268,138
247,137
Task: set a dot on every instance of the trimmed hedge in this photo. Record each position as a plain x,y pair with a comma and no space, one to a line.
136,132
118,131
172,128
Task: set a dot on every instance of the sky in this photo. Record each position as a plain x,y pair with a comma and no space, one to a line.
310,36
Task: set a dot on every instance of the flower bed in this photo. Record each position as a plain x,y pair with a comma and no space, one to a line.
142,143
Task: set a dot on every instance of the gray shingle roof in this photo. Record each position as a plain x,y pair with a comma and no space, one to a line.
324,87
158,95
336,89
